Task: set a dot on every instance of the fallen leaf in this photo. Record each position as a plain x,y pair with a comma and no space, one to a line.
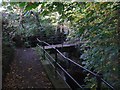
29,69
24,50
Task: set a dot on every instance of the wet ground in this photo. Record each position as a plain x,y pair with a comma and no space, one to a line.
27,71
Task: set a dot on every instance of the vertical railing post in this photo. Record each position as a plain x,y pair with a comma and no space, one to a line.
99,81
56,58
69,56
43,52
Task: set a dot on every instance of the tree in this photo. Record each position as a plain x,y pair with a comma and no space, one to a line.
95,23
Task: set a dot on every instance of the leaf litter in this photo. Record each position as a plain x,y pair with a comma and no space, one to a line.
26,71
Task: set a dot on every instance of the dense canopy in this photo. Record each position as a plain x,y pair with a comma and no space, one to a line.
96,23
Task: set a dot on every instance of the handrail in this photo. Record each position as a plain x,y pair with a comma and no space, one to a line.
48,55
60,67
94,74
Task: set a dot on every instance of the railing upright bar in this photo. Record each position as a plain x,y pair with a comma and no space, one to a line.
56,63
56,57
99,82
43,52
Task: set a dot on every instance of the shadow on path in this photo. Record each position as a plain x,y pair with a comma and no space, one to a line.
26,71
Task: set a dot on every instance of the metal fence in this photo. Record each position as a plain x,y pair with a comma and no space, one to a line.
56,65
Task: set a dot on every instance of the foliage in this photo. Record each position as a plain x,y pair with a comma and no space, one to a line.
9,27
29,22
95,23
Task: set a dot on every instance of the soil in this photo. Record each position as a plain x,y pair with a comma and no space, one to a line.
26,71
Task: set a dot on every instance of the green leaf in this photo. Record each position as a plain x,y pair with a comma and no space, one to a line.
59,7
22,4
31,6
9,7
45,12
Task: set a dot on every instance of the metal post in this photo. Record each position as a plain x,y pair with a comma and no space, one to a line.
56,64
43,52
99,81
69,56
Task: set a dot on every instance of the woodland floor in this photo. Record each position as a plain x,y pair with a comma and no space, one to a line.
26,71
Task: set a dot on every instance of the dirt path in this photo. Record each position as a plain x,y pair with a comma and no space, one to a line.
26,71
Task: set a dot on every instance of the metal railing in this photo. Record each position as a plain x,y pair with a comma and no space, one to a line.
98,76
